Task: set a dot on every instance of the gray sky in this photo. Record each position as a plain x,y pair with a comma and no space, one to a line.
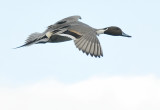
63,62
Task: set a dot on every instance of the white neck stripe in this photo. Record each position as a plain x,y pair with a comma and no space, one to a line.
100,31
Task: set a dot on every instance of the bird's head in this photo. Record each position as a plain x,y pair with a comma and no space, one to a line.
115,31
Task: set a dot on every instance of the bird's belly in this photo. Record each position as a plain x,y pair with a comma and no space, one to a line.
57,38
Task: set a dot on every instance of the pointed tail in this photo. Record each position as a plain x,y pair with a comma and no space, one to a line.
32,39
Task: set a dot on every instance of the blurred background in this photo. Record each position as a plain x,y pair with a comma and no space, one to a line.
59,76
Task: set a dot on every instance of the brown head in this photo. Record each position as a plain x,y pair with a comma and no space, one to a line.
115,31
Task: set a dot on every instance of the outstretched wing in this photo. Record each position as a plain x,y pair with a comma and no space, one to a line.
64,22
85,39
89,45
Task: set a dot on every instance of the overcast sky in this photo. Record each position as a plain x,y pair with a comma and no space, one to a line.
59,76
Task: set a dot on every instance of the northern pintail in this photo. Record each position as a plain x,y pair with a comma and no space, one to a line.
84,36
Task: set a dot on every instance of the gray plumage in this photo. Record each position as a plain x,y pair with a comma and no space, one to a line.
84,36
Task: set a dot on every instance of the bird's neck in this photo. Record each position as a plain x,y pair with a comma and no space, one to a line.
100,31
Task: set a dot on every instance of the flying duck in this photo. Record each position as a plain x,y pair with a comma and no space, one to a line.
84,36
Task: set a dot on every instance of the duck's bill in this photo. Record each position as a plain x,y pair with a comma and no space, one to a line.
125,35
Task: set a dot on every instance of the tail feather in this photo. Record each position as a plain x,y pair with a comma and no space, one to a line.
32,39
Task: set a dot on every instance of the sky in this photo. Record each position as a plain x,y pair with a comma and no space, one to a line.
59,76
